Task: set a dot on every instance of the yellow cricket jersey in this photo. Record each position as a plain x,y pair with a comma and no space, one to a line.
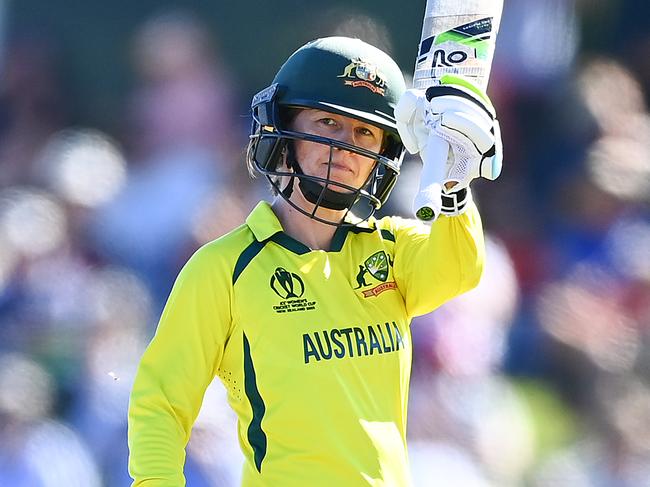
313,347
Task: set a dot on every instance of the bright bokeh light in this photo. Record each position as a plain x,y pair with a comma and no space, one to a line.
86,167
621,166
627,402
611,93
120,308
505,436
58,456
113,353
26,389
117,296
585,314
8,260
32,221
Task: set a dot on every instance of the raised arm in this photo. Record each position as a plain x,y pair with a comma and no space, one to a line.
432,266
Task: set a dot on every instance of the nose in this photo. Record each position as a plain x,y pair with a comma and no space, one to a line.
347,136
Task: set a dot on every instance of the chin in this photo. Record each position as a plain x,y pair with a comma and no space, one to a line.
342,190
341,179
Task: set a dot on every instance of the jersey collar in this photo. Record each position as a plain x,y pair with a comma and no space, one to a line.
265,225
263,222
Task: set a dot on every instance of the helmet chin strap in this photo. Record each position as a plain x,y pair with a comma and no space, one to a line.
312,190
333,200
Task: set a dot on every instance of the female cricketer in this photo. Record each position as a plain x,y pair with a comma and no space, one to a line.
303,311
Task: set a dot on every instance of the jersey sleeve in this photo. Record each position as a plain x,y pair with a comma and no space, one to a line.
175,370
434,264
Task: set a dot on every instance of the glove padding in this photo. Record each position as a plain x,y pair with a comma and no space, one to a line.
462,115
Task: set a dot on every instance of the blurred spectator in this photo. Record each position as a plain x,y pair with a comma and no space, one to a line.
32,105
35,449
479,426
181,153
185,96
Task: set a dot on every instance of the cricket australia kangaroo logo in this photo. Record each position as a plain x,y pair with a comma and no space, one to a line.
290,287
361,73
378,266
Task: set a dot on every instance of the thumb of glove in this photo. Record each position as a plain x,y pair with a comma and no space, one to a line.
409,116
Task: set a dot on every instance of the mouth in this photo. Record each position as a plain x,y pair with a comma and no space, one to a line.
334,166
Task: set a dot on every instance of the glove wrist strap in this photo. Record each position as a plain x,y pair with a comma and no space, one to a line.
456,202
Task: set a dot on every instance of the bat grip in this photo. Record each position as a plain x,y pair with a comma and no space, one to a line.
428,200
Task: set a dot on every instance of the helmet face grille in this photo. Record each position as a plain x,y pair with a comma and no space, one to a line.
271,157
338,75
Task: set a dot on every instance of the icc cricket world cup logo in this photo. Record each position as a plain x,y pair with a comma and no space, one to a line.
287,284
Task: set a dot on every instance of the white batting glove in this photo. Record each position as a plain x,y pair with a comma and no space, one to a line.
410,115
462,115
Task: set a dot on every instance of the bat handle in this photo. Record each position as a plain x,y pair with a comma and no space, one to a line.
428,200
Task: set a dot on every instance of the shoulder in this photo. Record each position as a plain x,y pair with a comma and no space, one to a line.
229,244
397,226
220,255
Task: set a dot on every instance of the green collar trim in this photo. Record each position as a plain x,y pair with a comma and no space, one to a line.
290,243
341,234
265,226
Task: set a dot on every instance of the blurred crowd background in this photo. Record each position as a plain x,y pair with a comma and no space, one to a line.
122,135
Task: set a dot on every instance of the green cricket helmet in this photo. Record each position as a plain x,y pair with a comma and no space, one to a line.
338,75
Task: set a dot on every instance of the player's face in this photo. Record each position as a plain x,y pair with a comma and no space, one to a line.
346,167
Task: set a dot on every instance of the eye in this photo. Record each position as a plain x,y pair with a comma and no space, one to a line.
328,121
366,132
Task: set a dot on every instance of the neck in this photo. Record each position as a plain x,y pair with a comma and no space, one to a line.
314,234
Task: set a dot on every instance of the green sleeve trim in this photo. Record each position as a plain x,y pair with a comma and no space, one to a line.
387,235
256,435
246,257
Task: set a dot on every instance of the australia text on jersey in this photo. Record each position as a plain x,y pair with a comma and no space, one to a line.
351,342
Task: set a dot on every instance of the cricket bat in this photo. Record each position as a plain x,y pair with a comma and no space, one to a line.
458,37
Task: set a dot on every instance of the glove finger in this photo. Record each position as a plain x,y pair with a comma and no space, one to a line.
407,104
459,91
491,166
408,137
477,131
406,115
456,104
419,125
